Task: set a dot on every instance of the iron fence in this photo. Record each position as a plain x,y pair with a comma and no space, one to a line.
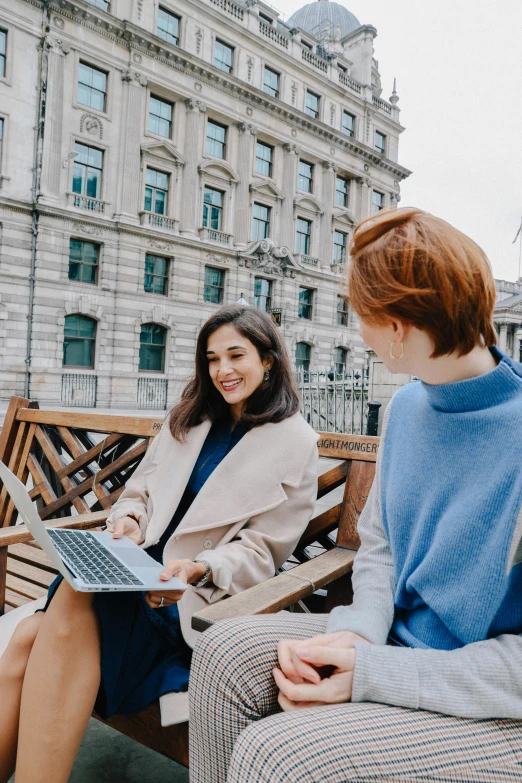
333,403
79,391
152,393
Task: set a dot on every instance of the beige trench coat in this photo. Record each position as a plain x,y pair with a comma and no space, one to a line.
246,519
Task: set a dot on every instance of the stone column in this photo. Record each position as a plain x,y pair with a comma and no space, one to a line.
190,206
366,198
502,341
242,228
517,343
287,235
328,195
129,196
52,164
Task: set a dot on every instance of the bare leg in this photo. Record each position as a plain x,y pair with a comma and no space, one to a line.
12,670
60,687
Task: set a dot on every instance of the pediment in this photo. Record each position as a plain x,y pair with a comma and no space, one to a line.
218,168
344,217
265,188
310,203
163,149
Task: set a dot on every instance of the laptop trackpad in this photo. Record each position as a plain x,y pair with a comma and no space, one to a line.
134,557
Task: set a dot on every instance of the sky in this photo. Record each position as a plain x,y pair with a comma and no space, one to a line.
458,65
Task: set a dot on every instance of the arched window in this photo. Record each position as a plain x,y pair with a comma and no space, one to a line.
79,338
152,348
302,357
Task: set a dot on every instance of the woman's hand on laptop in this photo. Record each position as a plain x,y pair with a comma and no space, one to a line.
186,570
127,526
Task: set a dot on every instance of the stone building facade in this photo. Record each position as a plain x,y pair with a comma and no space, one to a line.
158,159
508,317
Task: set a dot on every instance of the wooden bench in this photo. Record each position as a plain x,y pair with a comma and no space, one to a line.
75,466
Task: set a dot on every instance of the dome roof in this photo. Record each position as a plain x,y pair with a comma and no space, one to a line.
312,18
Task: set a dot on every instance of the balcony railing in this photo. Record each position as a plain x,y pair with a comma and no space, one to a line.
382,105
157,221
210,235
349,82
79,391
271,32
310,261
152,393
314,60
230,7
86,203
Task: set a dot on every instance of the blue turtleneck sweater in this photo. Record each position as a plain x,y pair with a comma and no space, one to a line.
451,491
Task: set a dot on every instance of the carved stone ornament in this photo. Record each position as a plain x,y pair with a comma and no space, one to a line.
249,111
250,64
294,93
246,127
127,75
291,148
88,228
56,45
332,150
366,167
264,255
195,105
198,86
137,58
58,22
159,244
293,132
91,125
199,40
332,113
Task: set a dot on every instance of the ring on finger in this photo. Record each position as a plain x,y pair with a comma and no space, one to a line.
162,602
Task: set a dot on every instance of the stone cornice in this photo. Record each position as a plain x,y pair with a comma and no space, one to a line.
132,37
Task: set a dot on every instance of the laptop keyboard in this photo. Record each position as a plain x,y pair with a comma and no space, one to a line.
90,560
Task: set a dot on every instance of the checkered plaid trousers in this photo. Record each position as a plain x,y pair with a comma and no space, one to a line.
239,735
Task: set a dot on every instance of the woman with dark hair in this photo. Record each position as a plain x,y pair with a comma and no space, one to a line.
221,498
420,677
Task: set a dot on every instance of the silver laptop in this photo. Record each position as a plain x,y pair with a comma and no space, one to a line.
89,561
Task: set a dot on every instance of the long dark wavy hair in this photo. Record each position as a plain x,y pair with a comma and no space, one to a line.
274,400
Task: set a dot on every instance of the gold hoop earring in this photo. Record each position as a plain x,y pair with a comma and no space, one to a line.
392,355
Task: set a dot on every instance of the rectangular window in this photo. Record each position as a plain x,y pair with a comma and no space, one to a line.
312,104
160,117
348,124
92,87
83,261
156,192
302,238
213,209
216,139
266,18
156,274
340,362
302,357
380,142
377,201
214,283
305,303
342,311
261,222
168,26
87,171
79,338
3,51
263,294
264,155
306,176
339,247
1,139
306,45
271,82
342,189
103,4
223,56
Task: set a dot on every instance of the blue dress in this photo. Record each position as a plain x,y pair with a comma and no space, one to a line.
143,653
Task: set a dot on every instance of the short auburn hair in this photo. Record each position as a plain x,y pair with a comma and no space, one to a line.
414,267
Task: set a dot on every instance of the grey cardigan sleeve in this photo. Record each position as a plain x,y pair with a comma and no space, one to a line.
371,613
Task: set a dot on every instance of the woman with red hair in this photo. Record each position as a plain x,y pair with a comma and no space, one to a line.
420,678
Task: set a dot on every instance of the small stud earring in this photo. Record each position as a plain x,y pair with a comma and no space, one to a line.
267,375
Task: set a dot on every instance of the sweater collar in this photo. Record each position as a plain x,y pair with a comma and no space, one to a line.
493,388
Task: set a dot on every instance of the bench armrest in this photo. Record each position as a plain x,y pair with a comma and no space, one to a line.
19,534
281,591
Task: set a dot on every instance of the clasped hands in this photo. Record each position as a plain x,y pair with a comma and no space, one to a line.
186,570
316,671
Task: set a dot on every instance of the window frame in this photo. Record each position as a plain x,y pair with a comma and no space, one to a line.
95,3
340,352
212,286
307,359
155,275
346,194
220,207
82,263
342,311
303,306
92,340
88,167
308,236
154,97
273,92
230,69
302,177
310,110
163,346
174,16
262,296
373,203
257,221
208,139
5,54
270,162
105,92
350,132
379,149
155,189
3,133
344,245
